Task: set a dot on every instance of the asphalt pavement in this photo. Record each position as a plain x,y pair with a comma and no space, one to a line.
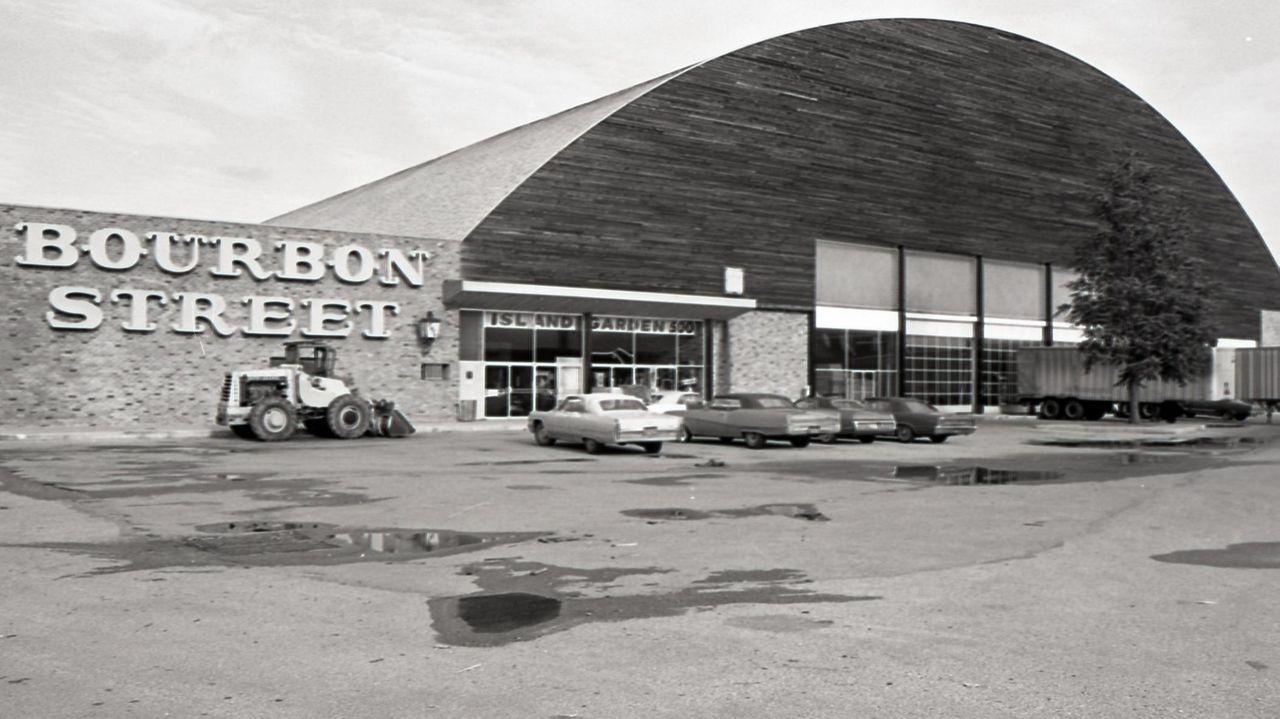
1033,569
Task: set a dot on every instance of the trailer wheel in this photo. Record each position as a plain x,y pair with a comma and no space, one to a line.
1148,410
1073,409
273,420
1050,408
348,417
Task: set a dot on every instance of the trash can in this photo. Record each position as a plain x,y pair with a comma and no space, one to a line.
467,410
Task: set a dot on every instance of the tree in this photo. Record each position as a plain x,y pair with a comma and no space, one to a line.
1141,297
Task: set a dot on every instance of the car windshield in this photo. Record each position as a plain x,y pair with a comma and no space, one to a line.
848,404
915,405
624,403
772,402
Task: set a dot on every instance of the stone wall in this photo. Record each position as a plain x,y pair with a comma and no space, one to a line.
767,352
63,366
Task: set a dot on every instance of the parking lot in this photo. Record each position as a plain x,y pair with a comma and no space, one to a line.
1032,569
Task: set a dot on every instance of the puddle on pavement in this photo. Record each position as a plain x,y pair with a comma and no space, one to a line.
1211,442
286,544
496,613
963,475
674,480
794,511
1040,469
520,601
1248,555
516,462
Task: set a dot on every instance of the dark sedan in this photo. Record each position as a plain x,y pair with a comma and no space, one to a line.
756,418
857,421
915,418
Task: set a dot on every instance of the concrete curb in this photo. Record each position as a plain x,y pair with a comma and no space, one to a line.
84,436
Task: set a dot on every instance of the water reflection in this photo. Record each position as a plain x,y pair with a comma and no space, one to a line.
966,475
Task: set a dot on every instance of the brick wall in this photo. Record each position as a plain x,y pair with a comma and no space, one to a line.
114,377
768,352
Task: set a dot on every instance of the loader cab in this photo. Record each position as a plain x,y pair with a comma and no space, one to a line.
316,358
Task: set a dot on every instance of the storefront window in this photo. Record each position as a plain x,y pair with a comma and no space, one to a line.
855,363
1000,370
531,357
503,344
939,370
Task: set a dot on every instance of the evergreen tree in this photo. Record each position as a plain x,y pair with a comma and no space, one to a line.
1140,297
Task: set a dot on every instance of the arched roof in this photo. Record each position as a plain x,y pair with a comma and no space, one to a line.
928,134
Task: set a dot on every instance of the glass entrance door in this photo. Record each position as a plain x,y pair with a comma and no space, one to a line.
514,390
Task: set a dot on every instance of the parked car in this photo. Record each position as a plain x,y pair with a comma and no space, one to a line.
856,419
915,418
1226,408
756,418
673,400
597,420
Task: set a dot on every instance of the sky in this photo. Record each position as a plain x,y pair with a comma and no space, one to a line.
240,110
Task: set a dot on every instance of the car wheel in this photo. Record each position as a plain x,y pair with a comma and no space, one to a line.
541,436
827,438
754,440
652,447
938,438
592,446
905,433
800,442
866,440
686,435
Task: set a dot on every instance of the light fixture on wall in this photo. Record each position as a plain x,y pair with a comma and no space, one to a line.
428,329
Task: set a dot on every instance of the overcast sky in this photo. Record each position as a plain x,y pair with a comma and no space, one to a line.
239,110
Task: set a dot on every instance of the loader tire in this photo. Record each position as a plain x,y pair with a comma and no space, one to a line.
348,417
273,420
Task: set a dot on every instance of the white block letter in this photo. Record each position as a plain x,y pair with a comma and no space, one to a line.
319,316
302,260
260,314
377,315
41,238
164,251
64,300
229,255
200,306
137,299
131,249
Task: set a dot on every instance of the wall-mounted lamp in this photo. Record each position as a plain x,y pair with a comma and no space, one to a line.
428,329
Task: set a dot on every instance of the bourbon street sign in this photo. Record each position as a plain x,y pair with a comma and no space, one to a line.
116,250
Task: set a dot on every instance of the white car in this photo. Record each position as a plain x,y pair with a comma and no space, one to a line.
596,420
674,400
